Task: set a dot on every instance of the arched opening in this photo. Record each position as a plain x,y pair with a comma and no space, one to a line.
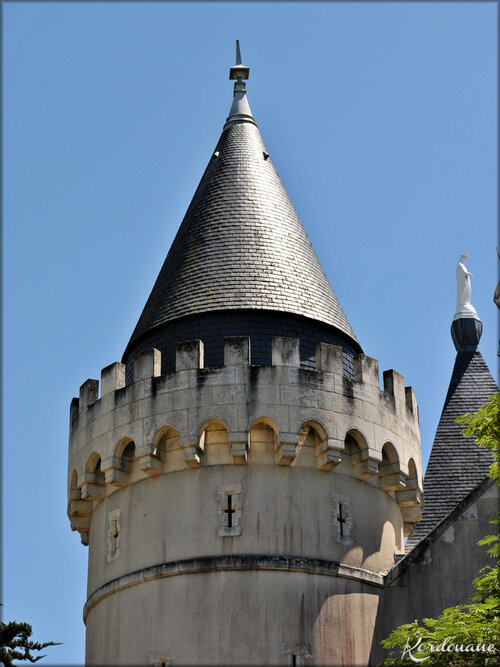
125,445
390,475
360,464
263,440
410,500
412,481
311,435
94,467
390,459
93,484
214,442
354,443
124,457
129,453
74,489
167,448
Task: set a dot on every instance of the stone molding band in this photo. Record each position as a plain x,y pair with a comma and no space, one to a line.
231,563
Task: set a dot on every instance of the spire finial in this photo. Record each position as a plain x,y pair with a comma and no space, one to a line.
238,72
240,109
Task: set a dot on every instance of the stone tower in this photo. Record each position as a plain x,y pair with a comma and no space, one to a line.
240,479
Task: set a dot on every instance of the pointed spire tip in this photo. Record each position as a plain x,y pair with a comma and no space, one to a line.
238,72
240,109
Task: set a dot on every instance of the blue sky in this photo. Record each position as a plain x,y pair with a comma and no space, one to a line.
381,119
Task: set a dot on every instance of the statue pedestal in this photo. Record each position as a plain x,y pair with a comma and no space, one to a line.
466,331
466,310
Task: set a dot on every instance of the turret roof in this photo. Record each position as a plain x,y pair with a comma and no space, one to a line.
456,464
241,244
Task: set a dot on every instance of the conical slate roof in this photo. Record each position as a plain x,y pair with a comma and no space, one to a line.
457,464
241,244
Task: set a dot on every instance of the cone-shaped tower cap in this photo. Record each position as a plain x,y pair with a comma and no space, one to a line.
241,244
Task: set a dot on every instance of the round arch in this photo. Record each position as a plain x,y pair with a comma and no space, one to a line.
93,463
122,446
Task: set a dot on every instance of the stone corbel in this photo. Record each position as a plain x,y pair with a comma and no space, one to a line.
80,523
364,468
393,482
116,471
411,513
329,453
413,483
150,459
391,477
239,452
80,508
74,494
92,486
192,455
408,529
409,498
238,445
287,449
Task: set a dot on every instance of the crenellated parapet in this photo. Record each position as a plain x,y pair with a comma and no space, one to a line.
241,414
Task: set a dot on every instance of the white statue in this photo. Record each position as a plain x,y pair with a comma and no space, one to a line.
464,306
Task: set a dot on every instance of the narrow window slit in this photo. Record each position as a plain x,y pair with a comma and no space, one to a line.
341,519
229,511
114,534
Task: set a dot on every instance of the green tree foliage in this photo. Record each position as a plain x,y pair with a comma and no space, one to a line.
462,636
484,425
15,643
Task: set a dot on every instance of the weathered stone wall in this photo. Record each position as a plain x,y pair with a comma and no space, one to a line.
282,511
253,617
439,572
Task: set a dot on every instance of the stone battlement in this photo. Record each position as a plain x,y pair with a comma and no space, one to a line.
243,414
